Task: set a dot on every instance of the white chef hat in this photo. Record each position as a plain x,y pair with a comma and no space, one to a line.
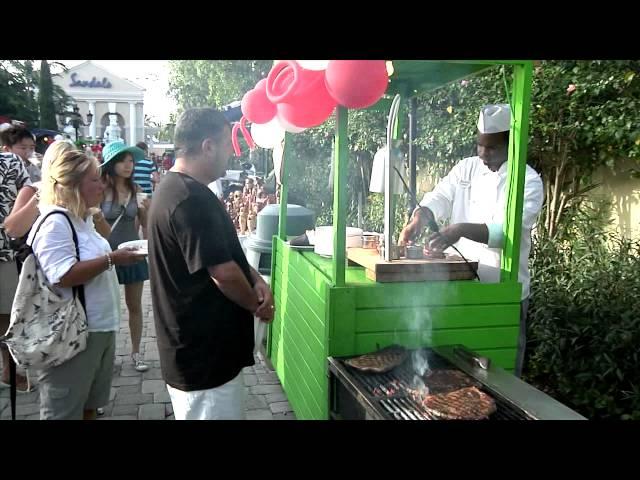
495,118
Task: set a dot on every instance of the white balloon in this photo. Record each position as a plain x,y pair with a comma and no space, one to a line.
267,135
313,64
288,126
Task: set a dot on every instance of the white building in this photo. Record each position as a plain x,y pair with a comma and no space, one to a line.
100,92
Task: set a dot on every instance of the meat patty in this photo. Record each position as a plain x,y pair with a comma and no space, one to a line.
381,361
445,380
464,404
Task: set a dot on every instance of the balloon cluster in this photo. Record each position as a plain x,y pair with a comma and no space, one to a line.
300,94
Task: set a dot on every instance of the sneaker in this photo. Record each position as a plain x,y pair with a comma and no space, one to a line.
99,411
138,363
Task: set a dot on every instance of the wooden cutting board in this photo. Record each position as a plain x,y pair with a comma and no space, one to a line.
403,270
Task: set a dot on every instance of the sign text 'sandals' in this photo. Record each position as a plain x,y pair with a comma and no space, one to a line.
93,83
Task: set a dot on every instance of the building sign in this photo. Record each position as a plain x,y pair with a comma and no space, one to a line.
93,83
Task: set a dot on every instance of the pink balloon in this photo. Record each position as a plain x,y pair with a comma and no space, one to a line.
261,85
256,106
287,80
309,110
356,83
289,127
301,96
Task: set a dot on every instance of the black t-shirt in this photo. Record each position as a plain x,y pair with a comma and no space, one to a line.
204,339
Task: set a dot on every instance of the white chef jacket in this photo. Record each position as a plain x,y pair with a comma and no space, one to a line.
471,193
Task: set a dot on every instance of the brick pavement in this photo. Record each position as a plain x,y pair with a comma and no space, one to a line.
143,396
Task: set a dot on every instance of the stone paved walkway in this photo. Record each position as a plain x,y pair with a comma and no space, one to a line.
143,396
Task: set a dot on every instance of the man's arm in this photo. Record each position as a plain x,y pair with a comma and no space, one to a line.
478,232
436,204
265,296
421,217
230,280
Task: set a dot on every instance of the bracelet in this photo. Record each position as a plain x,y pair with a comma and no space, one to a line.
109,262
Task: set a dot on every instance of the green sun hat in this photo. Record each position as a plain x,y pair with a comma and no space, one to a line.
113,149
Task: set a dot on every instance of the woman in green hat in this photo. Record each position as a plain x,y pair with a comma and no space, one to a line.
120,208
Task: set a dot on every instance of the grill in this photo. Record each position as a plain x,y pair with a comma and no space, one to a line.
357,395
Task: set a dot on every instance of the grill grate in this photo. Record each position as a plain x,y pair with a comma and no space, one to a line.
385,395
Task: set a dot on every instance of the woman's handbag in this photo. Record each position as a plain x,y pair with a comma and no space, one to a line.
45,330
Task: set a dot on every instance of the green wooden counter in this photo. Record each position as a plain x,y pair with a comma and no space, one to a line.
315,320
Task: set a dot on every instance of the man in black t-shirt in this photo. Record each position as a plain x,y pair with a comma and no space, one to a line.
204,292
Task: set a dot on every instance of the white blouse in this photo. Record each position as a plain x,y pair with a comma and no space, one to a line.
56,254
471,193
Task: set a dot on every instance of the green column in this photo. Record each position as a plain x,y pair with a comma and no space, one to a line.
284,192
517,163
341,152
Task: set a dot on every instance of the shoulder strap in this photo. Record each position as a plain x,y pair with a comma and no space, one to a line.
124,209
79,289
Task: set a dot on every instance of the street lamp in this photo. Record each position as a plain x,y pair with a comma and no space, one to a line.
76,119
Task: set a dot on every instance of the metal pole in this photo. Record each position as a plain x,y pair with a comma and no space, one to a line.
341,157
413,121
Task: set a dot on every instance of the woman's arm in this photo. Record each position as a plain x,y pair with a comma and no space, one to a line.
142,213
23,214
101,224
82,272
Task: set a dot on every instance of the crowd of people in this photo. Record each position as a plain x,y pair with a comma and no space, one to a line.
205,295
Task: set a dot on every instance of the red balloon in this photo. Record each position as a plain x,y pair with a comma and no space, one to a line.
261,85
356,83
310,109
300,95
287,80
256,106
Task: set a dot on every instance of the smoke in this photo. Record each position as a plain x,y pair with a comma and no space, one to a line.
420,325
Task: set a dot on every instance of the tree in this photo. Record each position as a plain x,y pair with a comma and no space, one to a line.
200,83
45,98
18,86
17,91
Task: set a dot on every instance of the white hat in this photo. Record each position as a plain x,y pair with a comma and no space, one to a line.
495,118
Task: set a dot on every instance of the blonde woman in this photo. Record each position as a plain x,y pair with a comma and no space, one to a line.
72,184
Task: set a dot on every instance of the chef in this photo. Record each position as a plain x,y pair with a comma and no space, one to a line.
472,197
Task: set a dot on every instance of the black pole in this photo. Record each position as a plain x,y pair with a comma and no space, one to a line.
413,151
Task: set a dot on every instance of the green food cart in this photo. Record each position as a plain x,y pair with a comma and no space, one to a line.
327,308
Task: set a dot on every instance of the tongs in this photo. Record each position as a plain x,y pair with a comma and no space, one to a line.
480,361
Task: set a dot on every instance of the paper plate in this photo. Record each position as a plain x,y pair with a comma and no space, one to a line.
140,245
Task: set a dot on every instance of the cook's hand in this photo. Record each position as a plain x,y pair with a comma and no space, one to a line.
446,237
408,233
126,256
266,308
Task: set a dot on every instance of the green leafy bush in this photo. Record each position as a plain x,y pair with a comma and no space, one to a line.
584,327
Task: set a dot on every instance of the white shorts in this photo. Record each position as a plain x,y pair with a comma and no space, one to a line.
226,402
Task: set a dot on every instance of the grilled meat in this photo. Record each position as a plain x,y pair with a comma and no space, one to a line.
464,404
444,380
381,361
